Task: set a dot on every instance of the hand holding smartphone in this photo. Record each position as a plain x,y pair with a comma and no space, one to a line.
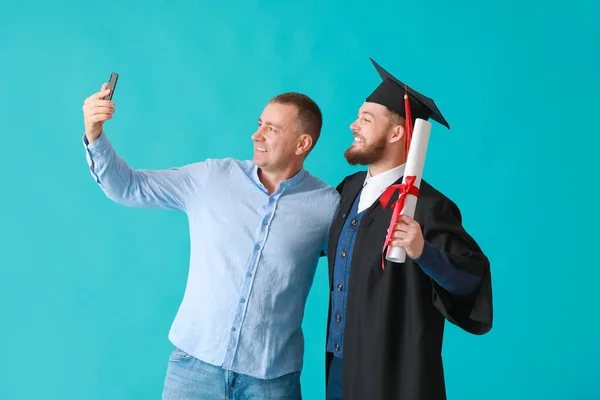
97,109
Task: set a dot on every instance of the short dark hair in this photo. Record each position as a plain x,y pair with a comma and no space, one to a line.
310,119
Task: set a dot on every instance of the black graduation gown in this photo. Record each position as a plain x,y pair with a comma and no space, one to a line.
395,317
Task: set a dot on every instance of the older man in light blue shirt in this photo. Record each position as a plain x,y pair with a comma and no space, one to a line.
257,230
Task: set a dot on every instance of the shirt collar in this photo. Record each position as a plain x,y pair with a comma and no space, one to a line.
384,179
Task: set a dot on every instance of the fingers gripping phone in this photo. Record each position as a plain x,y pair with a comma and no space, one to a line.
112,83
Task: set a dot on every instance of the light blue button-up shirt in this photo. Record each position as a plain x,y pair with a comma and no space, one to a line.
253,255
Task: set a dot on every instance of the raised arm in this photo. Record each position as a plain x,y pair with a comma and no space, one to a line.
165,189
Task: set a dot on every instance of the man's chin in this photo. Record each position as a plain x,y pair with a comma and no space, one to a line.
259,163
366,156
258,160
354,157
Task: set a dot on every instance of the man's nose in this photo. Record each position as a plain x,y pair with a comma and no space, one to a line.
257,136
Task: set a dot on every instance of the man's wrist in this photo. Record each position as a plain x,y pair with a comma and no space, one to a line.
91,138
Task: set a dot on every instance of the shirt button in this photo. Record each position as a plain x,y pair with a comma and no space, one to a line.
338,319
265,221
233,329
249,275
354,222
337,347
271,199
243,300
343,254
340,287
257,247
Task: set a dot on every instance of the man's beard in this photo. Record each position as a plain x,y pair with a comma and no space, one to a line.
368,155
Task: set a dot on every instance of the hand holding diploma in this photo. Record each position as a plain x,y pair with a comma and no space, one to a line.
403,228
407,235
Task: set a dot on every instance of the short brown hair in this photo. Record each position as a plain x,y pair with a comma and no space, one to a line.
395,118
310,119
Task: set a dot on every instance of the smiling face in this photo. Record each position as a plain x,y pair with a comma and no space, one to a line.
276,141
376,132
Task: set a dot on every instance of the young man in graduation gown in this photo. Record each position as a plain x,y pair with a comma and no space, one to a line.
386,320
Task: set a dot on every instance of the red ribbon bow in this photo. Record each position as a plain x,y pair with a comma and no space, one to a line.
405,188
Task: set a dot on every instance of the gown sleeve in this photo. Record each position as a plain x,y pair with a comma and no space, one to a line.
443,228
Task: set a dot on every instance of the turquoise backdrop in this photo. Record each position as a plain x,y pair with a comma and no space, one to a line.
88,288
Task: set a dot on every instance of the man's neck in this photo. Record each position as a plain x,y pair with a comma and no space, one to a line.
272,180
378,168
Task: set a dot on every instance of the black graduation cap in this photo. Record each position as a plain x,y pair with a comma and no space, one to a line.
391,91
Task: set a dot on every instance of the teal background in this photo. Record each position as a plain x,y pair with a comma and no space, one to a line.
88,288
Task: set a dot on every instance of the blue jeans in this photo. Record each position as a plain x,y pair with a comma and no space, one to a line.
191,379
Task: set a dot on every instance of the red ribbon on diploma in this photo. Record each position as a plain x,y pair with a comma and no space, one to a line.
405,188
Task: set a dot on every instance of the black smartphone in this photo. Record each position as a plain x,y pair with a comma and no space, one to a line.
112,83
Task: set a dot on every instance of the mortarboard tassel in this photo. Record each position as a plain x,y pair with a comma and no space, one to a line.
408,120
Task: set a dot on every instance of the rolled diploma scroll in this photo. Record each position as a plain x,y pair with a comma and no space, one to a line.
414,167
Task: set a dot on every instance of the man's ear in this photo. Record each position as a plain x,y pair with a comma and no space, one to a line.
397,134
305,143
